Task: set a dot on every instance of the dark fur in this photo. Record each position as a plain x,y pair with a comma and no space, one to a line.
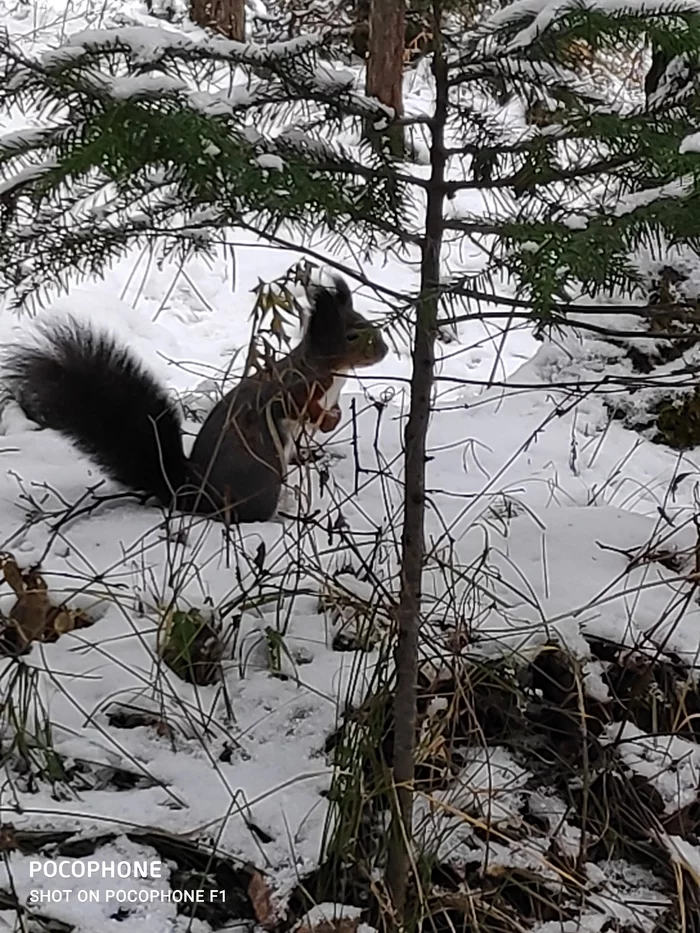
100,396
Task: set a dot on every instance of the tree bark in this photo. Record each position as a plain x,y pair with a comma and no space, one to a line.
387,35
227,17
412,537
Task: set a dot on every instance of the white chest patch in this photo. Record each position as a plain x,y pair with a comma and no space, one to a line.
333,394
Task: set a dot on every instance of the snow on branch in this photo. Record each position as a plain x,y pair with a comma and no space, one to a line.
125,115
149,62
151,45
545,13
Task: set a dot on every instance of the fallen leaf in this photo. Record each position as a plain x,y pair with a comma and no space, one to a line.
259,894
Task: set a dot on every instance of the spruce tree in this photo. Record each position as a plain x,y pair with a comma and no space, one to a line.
126,146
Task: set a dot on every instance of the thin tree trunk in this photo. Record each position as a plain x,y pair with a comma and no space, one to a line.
412,538
227,17
387,36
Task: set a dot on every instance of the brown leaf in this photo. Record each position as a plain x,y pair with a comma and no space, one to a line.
8,842
13,575
259,894
163,730
63,621
30,611
339,925
34,616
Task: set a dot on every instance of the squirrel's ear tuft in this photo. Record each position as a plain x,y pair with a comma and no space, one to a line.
342,291
334,284
328,319
325,322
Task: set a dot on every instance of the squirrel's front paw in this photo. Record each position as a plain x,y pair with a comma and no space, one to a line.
330,419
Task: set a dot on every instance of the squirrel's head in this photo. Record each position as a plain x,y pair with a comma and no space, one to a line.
337,337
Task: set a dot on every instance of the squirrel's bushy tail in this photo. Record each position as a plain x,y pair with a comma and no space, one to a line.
95,392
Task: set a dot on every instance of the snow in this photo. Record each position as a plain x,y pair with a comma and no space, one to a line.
679,188
490,784
545,12
683,853
30,884
145,85
690,143
629,895
26,175
543,505
220,103
668,763
329,912
270,161
27,136
147,44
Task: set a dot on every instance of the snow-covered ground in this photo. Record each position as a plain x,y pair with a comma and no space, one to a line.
538,499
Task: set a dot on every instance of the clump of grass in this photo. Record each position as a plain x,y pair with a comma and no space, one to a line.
540,711
27,748
191,646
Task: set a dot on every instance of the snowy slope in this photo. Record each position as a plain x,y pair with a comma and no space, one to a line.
561,498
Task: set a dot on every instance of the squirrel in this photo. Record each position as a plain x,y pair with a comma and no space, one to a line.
95,392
